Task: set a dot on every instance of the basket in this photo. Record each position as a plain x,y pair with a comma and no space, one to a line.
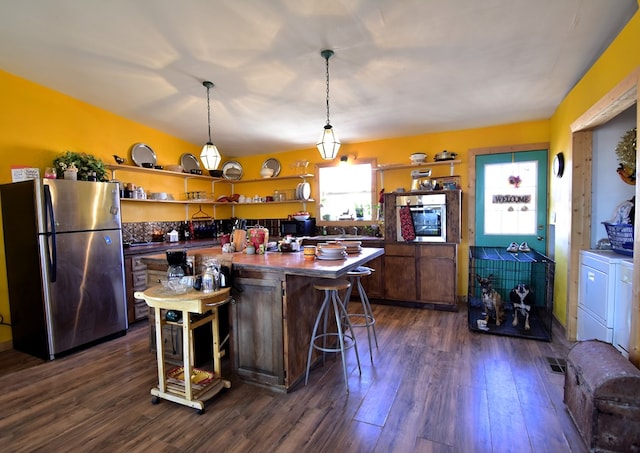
621,237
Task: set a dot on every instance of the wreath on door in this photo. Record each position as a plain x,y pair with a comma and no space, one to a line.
626,152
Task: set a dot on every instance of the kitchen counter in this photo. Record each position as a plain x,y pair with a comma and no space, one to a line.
274,310
157,247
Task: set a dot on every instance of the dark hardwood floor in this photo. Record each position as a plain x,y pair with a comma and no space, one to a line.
434,387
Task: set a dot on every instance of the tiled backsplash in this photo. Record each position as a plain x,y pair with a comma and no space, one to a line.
144,231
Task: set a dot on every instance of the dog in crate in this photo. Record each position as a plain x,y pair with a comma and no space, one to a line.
491,299
522,298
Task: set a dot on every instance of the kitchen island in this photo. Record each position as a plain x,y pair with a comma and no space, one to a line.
274,309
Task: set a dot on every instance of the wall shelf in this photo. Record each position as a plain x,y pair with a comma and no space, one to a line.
382,168
451,163
277,178
135,169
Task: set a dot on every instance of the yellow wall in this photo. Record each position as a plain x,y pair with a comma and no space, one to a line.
621,58
36,124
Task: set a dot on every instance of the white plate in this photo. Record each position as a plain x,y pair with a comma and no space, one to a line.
232,170
189,162
305,191
142,154
273,164
330,258
298,196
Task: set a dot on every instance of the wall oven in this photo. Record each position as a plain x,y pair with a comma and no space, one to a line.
421,218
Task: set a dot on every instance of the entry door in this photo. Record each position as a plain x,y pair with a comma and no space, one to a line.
511,199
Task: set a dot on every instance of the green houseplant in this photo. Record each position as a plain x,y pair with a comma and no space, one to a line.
85,163
626,152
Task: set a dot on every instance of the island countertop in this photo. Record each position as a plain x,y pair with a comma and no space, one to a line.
292,263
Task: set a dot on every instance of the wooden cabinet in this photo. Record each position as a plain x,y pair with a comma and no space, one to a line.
400,272
436,272
424,274
374,283
135,272
257,327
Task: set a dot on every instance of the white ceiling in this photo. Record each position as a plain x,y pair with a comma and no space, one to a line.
402,67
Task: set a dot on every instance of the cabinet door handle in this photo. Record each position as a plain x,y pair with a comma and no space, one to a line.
591,276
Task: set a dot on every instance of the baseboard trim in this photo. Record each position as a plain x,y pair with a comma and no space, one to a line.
6,345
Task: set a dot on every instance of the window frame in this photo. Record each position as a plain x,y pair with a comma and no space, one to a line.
374,193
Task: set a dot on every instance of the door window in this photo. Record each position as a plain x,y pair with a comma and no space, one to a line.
511,199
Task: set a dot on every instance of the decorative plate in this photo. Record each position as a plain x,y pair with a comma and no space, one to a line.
189,162
305,191
232,170
273,164
143,154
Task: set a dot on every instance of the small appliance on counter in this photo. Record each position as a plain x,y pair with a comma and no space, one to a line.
298,228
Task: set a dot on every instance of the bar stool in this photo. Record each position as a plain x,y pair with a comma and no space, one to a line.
366,317
345,340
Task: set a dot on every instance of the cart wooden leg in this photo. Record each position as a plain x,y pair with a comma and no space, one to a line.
186,352
217,354
162,375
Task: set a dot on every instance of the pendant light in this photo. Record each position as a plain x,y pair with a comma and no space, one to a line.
328,143
209,156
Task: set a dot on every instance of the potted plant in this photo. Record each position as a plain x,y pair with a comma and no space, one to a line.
86,165
626,152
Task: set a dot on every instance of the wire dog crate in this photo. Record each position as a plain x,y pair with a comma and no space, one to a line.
521,283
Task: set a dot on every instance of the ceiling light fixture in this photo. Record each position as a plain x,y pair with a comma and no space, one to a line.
209,156
329,143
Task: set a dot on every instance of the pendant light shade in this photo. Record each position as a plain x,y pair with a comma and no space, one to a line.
328,143
210,156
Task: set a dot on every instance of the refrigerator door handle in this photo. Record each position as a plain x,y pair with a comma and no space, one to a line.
50,223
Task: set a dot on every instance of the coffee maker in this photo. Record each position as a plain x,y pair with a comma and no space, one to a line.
177,260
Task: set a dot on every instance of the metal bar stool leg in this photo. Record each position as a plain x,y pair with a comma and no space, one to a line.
345,336
321,314
367,313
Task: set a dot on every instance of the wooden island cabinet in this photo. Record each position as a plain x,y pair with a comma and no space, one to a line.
421,274
273,310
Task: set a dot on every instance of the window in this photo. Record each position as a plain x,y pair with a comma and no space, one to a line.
346,191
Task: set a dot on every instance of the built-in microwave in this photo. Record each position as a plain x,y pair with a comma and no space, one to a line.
298,228
421,218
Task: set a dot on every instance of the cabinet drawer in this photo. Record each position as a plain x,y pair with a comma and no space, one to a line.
139,280
400,249
137,264
141,309
438,251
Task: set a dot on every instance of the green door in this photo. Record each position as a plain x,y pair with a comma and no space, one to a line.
511,199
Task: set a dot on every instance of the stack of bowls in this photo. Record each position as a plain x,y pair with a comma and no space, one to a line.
331,252
352,247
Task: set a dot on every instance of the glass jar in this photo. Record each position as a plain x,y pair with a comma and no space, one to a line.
211,276
175,272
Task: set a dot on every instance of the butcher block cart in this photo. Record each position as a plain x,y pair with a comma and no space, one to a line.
172,384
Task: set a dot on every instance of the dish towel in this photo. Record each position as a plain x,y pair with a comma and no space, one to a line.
406,224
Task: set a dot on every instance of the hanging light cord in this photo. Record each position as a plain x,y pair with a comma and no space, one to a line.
327,56
209,111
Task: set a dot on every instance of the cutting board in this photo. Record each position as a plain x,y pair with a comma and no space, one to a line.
239,239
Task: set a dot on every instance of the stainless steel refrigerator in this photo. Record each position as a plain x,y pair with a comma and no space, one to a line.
64,260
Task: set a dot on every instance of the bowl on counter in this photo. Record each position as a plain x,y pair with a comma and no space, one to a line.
300,218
